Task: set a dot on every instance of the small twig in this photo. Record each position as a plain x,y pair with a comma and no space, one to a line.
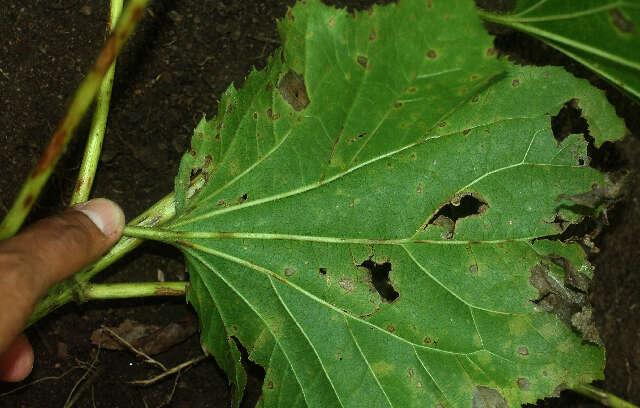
167,373
167,401
39,380
4,74
88,383
73,396
135,350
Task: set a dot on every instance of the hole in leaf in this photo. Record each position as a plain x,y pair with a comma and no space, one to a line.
255,376
323,271
460,206
463,207
568,121
379,274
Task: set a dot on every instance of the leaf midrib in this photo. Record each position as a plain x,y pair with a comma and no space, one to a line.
179,222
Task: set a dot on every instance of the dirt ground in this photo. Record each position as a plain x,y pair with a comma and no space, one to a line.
182,57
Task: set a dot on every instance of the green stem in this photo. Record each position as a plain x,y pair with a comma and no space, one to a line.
605,398
132,290
66,291
82,99
98,123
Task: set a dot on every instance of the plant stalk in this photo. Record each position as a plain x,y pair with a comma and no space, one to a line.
605,398
132,290
67,290
82,99
93,148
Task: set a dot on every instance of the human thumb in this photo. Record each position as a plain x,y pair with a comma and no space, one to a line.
48,251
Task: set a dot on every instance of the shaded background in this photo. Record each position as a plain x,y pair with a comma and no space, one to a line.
177,64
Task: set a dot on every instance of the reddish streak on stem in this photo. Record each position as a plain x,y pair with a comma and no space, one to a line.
51,153
27,201
79,184
135,14
106,56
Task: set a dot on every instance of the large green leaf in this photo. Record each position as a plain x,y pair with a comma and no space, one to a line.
318,235
602,35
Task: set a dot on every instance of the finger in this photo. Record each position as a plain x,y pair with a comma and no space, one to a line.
17,362
49,251
56,247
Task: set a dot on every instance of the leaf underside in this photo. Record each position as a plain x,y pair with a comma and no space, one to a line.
329,238
602,35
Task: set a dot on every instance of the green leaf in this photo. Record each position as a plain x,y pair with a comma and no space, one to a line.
323,236
603,36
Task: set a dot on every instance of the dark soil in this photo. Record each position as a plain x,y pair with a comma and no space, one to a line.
182,57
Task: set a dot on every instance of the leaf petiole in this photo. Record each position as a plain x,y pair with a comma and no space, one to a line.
131,290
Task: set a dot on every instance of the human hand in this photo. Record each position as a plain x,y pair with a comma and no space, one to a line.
45,253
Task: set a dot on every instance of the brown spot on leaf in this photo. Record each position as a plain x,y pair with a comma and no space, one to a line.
347,284
584,322
515,83
524,384
293,90
362,61
473,269
485,397
271,115
431,54
523,351
491,52
564,299
289,272
373,34
621,22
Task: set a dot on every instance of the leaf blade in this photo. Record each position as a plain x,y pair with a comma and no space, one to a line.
292,239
